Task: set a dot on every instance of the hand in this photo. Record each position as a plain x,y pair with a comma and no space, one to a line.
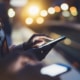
20,63
39,39
16,61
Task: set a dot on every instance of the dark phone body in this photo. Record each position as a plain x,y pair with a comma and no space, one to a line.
43,50
53,41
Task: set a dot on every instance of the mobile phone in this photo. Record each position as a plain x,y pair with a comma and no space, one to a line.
54,41
55,70
43,50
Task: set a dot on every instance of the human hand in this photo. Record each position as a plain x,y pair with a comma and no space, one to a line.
39,39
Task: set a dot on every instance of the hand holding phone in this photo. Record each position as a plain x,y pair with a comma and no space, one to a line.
53,42
43,50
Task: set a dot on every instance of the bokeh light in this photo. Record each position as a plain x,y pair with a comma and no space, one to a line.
11,13
57,9
40,20
18,3
73,11
43,13
33,10
51,10
67,41
66,13
54,35
64,6
29,21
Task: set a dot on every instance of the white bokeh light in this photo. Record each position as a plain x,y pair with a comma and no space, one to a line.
43,13
64,6
33,10
18,3
51,10
66,13
11,12
53,70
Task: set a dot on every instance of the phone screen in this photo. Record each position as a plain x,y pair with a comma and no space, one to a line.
54,70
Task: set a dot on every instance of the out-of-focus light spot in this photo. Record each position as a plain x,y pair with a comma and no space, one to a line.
73,11
53,70
18,3
11,13
57,9
40,20
66,14
33,10
54,35
64,6
29,21
43,13
51,10
67,41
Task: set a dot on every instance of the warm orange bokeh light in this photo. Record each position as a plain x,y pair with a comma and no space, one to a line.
29,21
73,11
73,8
57,9
40,20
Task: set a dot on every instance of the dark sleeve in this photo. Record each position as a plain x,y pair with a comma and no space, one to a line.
29,44
22,47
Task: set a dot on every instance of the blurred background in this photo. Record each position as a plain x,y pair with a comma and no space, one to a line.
23,18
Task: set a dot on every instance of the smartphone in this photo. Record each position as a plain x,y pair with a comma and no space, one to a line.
55,70
44,49
54,41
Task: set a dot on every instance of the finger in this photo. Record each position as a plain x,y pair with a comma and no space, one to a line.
37,41
44,37
39,44
41,37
